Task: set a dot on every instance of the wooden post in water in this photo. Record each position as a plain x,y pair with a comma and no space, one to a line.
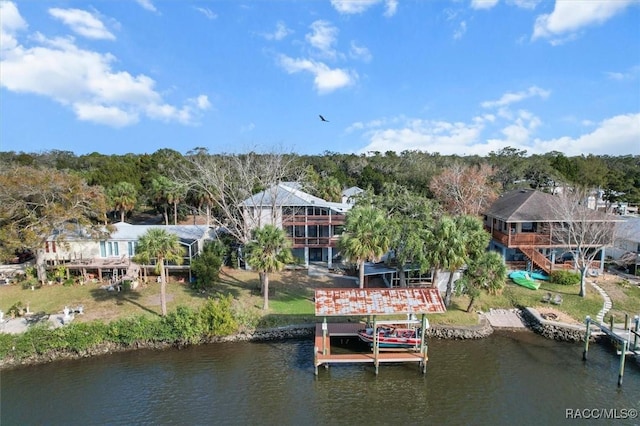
315,359
636,321
376,344
423,344
324,336
622,355
586,339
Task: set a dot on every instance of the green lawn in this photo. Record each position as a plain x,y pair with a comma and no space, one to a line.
291,295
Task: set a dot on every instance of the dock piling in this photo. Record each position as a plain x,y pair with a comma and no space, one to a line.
636,321
586,339
622,356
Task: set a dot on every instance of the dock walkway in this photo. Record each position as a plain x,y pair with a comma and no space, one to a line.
323,355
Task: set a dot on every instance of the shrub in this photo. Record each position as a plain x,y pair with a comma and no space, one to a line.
185,324
564,278
206,267
218,318
127,331
82,336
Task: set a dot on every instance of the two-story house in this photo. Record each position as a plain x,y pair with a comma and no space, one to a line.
313,224
523,226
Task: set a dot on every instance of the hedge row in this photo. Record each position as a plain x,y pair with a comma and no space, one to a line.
183,326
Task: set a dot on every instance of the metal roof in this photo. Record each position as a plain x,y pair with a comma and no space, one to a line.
378,301
290,194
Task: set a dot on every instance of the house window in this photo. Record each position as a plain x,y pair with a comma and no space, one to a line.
131,248
109,248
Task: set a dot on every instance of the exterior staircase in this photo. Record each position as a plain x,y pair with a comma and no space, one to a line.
537,258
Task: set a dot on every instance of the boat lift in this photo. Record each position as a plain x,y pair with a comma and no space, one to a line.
627,338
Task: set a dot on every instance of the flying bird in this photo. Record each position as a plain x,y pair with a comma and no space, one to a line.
322,118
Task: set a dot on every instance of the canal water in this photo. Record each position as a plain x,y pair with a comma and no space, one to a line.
505,379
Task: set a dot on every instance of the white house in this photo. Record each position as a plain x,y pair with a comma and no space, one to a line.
313,224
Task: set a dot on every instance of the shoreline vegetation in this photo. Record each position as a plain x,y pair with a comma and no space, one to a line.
117,322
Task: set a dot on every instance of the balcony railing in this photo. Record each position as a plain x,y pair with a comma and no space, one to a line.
300,242
525,239
313,220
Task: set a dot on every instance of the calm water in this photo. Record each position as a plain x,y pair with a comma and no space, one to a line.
515,378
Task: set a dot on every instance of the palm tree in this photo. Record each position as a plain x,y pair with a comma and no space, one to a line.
123,197
268,252
365,237
446,251
487,272
477,238
175,194
164,247
160,193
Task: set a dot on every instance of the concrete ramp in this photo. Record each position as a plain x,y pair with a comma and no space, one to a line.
505,319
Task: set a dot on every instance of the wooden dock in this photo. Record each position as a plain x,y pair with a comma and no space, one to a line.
323,355
627,339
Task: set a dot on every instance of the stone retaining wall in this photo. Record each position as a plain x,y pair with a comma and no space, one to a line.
553,330
461,333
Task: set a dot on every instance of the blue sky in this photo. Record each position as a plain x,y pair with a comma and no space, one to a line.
453,77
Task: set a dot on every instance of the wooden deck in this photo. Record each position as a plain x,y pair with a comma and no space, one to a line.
323,355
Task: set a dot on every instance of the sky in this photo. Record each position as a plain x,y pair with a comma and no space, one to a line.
465,77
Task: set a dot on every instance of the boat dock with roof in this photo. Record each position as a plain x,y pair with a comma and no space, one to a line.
413,303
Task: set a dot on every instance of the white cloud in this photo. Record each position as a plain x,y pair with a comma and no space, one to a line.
617,135
462,29
280,32
391,9
509,98
84,80
570,16
208,13
202,102
323,36
147,4
424,135
629,74
10,23
525,4
518,132
350,7
483,4
325,79
83,23
359,52
111,116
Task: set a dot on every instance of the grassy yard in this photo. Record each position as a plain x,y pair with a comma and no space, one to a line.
291,299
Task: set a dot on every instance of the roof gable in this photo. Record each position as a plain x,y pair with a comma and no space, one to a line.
524,205
289,194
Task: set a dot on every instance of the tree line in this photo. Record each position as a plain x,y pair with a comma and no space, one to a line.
413,191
